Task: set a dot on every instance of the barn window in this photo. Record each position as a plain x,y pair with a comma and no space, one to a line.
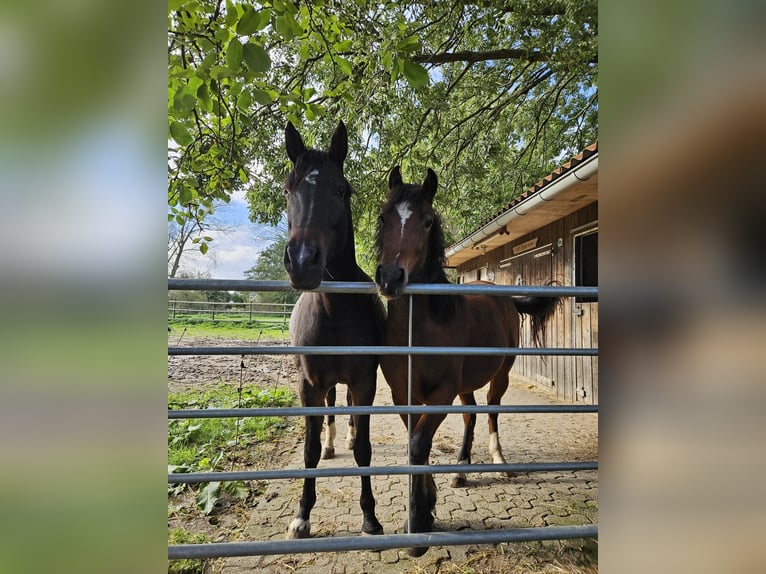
586,263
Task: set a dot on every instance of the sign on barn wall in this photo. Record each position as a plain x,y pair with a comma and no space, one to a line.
526,246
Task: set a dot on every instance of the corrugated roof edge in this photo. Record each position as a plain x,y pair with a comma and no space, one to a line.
560,171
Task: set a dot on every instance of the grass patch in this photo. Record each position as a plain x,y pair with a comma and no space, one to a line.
245,330
186,565
208,445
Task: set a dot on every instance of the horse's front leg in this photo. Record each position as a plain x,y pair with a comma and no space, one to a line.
300,527
423,494
351,434
469,420
328,448
363,395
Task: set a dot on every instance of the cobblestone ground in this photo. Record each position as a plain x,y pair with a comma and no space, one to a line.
489,501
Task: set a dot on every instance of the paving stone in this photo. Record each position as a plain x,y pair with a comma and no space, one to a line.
489,501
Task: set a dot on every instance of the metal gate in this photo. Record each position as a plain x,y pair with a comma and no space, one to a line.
385,541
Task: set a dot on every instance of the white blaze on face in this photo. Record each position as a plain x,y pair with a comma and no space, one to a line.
311,177
404,211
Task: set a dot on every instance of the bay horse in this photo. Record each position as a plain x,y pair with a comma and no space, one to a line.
320,247
410,246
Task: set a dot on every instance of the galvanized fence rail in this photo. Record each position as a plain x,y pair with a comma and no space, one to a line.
382,542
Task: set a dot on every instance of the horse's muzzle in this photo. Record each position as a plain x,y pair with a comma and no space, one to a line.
304,264
390,280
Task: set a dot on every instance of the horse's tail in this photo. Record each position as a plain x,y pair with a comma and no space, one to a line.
540,310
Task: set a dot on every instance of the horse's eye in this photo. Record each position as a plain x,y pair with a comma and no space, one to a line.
428,223
381,220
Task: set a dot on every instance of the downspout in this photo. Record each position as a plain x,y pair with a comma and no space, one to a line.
582,172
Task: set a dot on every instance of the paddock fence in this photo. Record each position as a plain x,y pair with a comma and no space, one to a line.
275,315
385,541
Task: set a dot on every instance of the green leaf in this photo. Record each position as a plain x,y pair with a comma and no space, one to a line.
242,176
234,54
262,97
252,21
203,250
287,26
409,44
416,74
244,101
186,194
344,65
220,72
222,35
205,65
209,495
203,96
256,58
180,133
341,46
184,101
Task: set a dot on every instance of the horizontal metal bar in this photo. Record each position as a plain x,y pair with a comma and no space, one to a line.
378,350
356,287
196,477
175,414
383,542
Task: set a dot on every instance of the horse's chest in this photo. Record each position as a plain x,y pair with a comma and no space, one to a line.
316,324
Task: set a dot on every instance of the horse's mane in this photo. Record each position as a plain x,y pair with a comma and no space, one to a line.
442,306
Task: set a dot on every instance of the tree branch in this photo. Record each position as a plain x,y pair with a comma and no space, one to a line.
503,54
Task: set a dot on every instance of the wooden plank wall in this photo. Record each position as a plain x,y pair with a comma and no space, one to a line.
562,375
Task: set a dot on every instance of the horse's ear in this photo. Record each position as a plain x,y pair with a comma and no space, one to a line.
339,144
293,143
395,178
429,184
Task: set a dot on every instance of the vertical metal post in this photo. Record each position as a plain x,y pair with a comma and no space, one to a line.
409,417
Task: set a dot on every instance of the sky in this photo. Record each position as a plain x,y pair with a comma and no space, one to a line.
236,248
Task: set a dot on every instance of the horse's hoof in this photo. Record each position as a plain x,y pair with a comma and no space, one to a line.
418,551
328,453
298,528
508,474
372,529
458,481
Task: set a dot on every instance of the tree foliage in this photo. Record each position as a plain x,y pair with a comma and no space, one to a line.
492,95
270,266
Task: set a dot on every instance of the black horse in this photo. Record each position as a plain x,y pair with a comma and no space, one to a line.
320,248
410,246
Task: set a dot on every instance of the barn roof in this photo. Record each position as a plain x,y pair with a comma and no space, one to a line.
525,212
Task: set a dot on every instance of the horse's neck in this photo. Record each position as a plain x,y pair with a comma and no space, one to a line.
342,266
436,307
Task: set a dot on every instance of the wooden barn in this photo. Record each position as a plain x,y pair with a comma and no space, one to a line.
547,234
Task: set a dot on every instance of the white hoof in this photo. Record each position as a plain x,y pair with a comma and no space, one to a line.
298,528
328,452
